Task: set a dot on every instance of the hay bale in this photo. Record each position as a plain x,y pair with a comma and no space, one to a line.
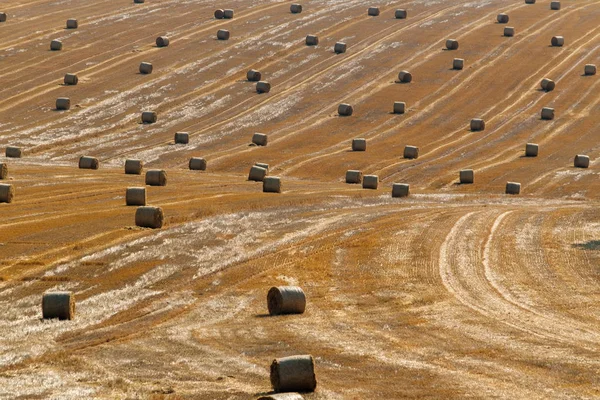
452,44
590,69
262,165
293,374
373,11
411,152
63,103
345,110
581,161
7,192
548,84
219,14
339,47
197,164
555,5
529,1
296,8
370,182
134,167
55,45
257,173
353,176
87,162
400,189
228,14
509,31
359,144
513,188
2,17
547,113
138,1
146,68
135,196
253,75
223,34
477,124
3,171
263,87
59,305
557,41
70,79
72,23
162,41
312,40
286,300
272,184
182,138
282,396
149,117
149,217
502,18
531,150
13,152
399,107
458,63
404,77
259,139
466,176
401,14
156,177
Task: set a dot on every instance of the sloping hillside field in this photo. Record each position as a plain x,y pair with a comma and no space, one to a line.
457,290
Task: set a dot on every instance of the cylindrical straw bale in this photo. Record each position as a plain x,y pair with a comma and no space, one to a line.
133,166
466,176
452,44
263,87
149,217
55,45
182,138
260,139
272,184
400,189
87,162
477,124
339,47
253,75
13,152
282,396
373,11
149,117
401,14
458,63
547,113
557,41
286,300
359,144
228,14
138,1
502,18
219,14
404,76
3,171
71,79
399,107
555,5
156,177
197,164
293,374
7,192
411,152
529,1
548,84
509,31
2,17
146,68
345,110
59,305
531,150
63,103
257,173
135,196
162,41
590,69
223,34
581,161
296,8
72,23
353,176
312,40
370,182
513,188
262,165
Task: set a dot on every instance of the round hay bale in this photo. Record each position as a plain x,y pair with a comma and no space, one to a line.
353,176
272,184
259,139
312,40
138,1
257,173
55,45
529,1
458,63
219,14
149,117
282,396
339,47
146,68
359,144
547,113
7,192
590,69
72,23
400,189
263,87
373,11
134,167
286,300
555,5
59,305
162,41
411,152
466,176
293,374
345,110
296,8
401,14
581,161
509,31
13,152
135,196
3,171
2,17
197,164
513,188
370,182
182,138
548,84
71,79
149,217
399,107
156,177
63,103
557,41
228,14
262,165
477,124
502,18
223,34
531,150
404,77
452,44
87,162
253,75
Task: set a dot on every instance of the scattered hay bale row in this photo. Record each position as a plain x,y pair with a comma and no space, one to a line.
13,152
263,87
399,107
466,176
59,305
312,40
458,63
260,139
359,144
345,110
286,300
370,182
135,196
353,176
156,177
7,193
548,84
146,68
87,162
452,44
182,138
3,171
272,184
400,189
149,217
293,374
581,161
197,164
133,166
253,75
339,47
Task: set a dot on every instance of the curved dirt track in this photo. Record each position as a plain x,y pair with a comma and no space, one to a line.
457,291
